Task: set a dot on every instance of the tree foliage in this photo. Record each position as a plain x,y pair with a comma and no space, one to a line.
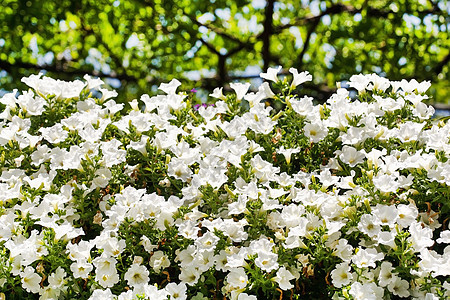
138,44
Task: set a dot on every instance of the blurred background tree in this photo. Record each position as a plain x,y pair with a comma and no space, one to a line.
135,45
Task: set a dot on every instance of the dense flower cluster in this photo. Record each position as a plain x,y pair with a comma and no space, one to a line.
344,200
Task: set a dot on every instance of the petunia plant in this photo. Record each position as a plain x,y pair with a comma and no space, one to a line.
169,199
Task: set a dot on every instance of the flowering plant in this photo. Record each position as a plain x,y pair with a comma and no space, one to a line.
349,199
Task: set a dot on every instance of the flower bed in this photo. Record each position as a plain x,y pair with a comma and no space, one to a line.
348,199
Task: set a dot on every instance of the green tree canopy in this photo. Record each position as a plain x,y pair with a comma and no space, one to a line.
137,44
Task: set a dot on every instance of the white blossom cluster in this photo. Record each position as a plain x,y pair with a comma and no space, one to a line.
346,200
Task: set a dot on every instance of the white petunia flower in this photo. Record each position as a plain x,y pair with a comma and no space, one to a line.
81,269
245,296
368,225
267,261
240,89
237,278
159,260
366,291
315,131
271,74
386,276
399,287
366,258
421,237
341,275
30,280
283,277
176,291
385,215
137,275
351,156
299,78
107,280
407,214
102,295
93,83
217,93
171,87
287,153
56,279
444,238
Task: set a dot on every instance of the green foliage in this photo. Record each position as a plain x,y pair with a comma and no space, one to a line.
209,43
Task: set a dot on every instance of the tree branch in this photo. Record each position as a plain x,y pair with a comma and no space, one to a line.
341,8
267,32
440,66
333,10
6,65
210,47
215,29
311,29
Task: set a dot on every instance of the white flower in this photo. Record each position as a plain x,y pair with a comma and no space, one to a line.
407,214
102,295
434,263
188,229
366,291
105,265
351,156
171,87
112,155
49,292
421,237
303,107
239,206
378,83
137,275
56,279
265,91
217,93
240,89
237,278
50,86
326,178
299,78
32,105
341,275
267,261
444,238
271,74
315,131
176,291
207,242
107,279
366,258
386,276
245,296
283,277
367,225
112,246
189,275
30,280
386,183
81,269
343,250
54,134
287,153
103,175
359,82
399,287
385,215
179,169
92,83
159,260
